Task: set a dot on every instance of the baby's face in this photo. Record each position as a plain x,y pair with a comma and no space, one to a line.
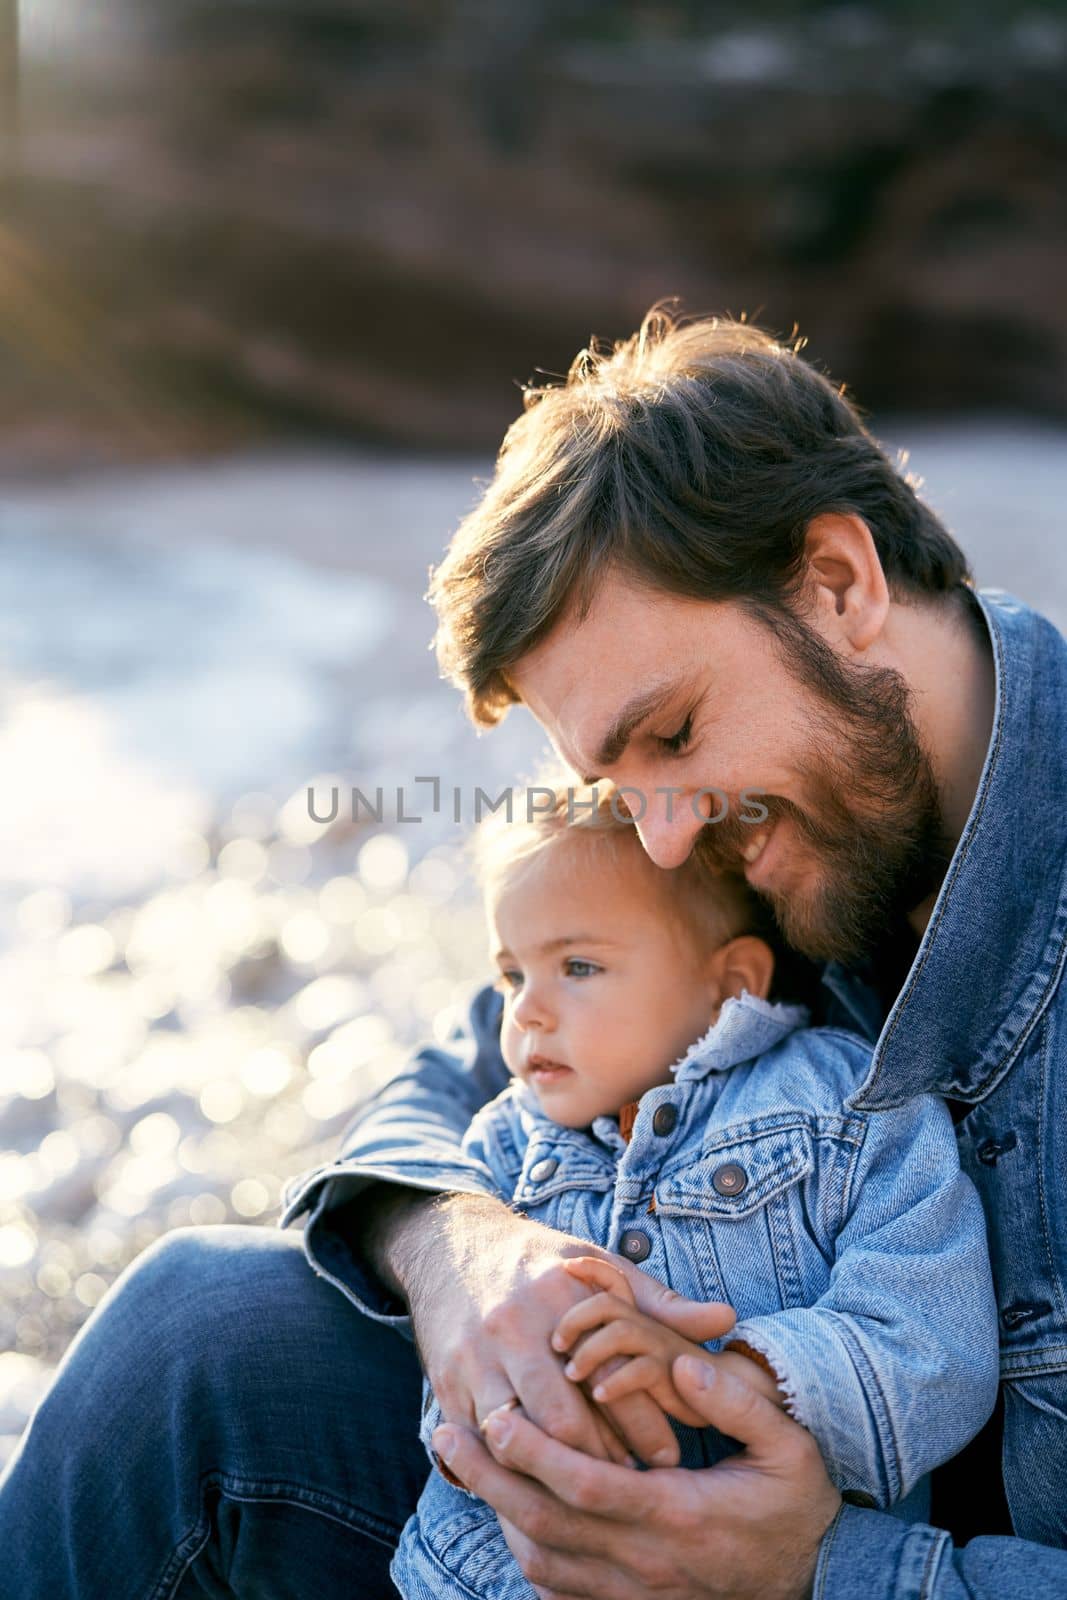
603,987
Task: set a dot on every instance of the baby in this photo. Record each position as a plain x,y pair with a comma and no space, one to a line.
664,1108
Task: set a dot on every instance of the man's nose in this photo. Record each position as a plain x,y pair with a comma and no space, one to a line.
669,826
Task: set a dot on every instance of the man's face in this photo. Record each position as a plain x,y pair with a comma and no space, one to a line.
854,837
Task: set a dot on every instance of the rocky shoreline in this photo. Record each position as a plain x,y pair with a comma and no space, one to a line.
344,227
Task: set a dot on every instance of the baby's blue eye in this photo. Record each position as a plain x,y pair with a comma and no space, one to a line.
509,980
577,968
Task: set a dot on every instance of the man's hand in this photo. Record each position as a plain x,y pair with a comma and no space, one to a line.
609,1324
486,1288
748,1528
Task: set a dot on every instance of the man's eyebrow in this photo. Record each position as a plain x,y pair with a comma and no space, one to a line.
560,944
625,721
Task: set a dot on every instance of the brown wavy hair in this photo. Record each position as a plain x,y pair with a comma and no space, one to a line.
692,456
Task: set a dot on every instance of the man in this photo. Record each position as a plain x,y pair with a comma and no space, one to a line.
700,574
704,578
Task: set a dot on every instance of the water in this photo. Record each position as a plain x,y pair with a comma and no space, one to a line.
171,640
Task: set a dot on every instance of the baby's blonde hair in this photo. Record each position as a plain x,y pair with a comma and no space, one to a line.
556,806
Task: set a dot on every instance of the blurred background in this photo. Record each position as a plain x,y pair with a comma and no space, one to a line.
272,273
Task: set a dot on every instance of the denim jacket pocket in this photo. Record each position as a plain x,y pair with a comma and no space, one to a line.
551,1167
742,1195
564,1186
740,1170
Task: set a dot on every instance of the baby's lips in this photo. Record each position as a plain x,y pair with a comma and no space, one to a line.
544,1061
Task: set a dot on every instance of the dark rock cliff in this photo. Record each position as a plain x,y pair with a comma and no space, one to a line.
250,222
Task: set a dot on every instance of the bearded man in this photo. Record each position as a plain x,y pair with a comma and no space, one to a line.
705,579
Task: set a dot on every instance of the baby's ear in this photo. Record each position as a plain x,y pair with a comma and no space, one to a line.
743,963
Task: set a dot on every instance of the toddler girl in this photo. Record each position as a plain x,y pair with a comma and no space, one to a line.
665,1109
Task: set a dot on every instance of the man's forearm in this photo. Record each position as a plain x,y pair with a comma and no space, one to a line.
395,1220
403,1226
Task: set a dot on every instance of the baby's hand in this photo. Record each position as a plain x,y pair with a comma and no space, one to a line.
609,1325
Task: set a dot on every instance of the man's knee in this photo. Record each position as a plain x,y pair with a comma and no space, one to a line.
182,1256
202,1288
229,1294
182,1264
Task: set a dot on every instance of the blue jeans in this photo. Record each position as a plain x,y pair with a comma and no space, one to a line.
225,1424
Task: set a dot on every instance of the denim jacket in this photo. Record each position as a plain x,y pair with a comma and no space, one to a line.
981,1018
851,1246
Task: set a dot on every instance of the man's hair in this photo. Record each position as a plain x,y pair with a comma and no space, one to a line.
692,456
711,907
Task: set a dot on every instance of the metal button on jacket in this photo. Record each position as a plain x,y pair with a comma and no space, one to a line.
991,1150
1024,1311
635,1245
665,1119
729,1179
542,1170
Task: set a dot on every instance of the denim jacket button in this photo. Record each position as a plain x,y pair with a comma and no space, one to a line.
990,1152
729,1179
542,1170
1024,1311
635,1245
665,1119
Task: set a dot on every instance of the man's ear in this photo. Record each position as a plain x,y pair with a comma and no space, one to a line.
743,963
845,589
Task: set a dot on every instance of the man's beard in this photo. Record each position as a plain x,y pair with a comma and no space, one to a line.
872,818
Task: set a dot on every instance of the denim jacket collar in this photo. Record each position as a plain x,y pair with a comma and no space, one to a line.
995,945
745,1028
